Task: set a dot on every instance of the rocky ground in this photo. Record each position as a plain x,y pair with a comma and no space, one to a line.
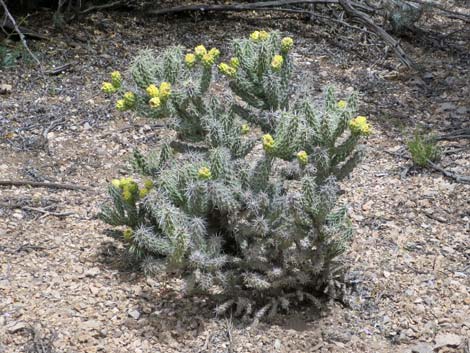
63,287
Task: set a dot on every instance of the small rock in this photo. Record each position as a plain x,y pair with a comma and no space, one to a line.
17,327
5,88
86,126
447,340
277,344
92,272
135,314
422,348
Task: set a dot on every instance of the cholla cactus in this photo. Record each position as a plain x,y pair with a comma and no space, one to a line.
261,69
253,215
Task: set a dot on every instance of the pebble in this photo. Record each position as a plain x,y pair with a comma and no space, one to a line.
447,340
135,314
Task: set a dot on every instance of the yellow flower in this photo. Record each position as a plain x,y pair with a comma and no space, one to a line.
215,53
190,60
268,142
121,105
302,157
263,35
245,129
165,90
254,36
342,104
277,62
227,70
360,126
143,192
155,102
116,79
235,62
116,183
286,44
152,91
148,184
200,50
129,99
127,195
108,87
208,60
204,173
127,234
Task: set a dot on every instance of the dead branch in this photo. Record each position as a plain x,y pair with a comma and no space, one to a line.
38,184
349,7
387,38
235,7
451,14
20,34
105,6
458,178
455,135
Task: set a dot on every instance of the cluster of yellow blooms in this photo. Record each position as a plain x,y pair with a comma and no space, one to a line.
204,173
302,157
130,189
276,63
114,85
360,126
207,57
259,36
287,44
268,142
227,69
245,129
342,104
127,234
158,95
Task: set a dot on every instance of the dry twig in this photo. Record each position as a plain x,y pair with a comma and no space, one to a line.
17,30
458,178
37,184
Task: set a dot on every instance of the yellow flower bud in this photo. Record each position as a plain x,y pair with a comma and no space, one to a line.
108,88
204,173
263,35
235,62
127,195
116,79
148,184
208,60
215,53
245,129
129,99
143,192
286,44
152,91
302,157
360,126
116,183
268,142
276,63
121,105
127,234
342,104
227,70
254,36
200,50
190,60
155,102
165,90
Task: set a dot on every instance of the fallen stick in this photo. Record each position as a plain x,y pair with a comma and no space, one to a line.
387,38
17,30
458,178
37,184
349,7
264,5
